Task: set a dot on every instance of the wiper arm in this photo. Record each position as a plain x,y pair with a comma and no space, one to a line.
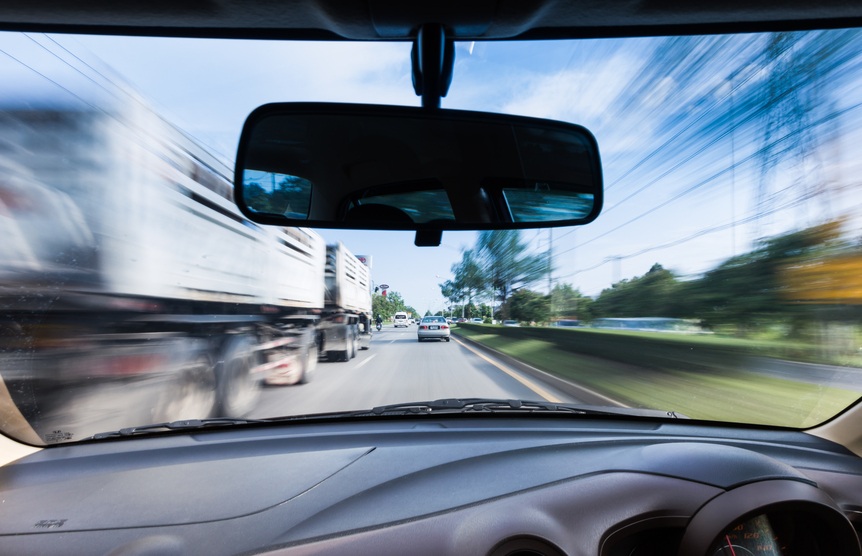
175,425
446,405
478,405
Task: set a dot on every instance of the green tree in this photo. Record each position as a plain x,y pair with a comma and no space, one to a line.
388,305
746,291
506,264
451,291
469,278
568,302
655,294
529,306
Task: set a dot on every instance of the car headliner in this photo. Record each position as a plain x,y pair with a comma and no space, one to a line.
399,20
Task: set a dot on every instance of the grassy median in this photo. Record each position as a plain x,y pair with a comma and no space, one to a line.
715,392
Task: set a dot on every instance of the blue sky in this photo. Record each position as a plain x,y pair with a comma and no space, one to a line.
208,87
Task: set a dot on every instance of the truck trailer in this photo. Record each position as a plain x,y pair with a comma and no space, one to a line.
126,263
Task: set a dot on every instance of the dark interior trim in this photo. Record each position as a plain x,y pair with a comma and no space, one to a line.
543,33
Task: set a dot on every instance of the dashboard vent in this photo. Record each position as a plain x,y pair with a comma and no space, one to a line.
525,546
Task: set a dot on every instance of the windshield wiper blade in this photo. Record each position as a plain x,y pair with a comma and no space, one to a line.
175,425
479,405
436,407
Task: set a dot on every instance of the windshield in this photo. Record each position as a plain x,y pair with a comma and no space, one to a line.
722,281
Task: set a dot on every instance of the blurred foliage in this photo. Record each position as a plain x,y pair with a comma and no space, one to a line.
655,294
780,92
290,197
569,303
389,304
499,265
798,280
507,264
528,306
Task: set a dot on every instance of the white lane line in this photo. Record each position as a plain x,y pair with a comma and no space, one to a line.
528,383
366,361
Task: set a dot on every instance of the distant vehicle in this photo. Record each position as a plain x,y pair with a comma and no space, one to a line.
400,319
433,328
511,323
477,321
462,320
565,323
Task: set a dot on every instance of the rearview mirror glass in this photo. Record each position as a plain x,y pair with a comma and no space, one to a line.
394,167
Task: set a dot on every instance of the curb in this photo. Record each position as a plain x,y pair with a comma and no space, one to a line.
586,395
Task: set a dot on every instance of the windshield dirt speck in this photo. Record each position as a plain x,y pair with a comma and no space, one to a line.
722,281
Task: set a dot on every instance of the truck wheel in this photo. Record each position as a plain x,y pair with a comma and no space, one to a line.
238,388
192,393
309,364
354,347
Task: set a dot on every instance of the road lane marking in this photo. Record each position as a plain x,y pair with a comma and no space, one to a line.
528,383
366,361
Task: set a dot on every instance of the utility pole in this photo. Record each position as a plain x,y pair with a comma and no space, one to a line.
732,174
550,271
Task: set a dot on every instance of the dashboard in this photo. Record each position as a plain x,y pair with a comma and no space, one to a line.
447,485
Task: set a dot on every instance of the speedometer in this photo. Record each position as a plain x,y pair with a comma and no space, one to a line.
770,518
755,537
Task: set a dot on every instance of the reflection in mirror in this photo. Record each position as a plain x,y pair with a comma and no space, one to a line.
547,202
422,205
277,194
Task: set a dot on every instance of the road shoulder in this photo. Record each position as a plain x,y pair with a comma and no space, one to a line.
579,392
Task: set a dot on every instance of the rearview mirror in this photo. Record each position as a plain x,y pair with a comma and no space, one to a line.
403,168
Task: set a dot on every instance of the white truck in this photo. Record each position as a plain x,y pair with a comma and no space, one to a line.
126,262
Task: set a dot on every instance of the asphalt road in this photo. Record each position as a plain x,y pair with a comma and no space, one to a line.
397,368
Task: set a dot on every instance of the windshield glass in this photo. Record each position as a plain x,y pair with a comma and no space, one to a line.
722,281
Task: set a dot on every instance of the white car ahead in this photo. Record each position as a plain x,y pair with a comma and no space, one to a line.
433,328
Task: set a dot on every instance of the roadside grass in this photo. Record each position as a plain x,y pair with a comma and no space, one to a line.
652,344
720,395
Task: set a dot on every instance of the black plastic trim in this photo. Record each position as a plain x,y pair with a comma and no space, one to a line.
268,110
541,33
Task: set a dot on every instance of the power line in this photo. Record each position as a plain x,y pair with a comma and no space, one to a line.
120,87
668,142
54,54
679,133
718,174
42,75
695,235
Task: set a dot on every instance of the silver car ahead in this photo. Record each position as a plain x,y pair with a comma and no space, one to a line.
433,327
